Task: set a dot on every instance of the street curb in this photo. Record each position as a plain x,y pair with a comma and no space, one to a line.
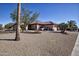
75,51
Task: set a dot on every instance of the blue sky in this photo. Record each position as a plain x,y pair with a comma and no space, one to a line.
48,12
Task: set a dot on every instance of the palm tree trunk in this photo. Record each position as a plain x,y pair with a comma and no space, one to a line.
18,22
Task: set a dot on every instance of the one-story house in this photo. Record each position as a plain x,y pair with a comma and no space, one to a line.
42,26
48,26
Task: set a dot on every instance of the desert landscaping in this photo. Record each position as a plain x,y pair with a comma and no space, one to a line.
44,31
40,44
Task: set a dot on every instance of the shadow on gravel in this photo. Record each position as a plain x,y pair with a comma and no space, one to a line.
32,32
60,33
7,39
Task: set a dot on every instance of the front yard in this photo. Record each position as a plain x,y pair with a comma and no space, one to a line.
44,44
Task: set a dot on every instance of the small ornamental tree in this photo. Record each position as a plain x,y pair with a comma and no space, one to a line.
72,25
63,27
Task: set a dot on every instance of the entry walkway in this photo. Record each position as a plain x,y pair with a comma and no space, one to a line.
75,51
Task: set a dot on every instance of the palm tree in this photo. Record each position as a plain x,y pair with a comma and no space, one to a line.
18,22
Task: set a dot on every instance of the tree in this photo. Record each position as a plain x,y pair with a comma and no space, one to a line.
1,27
75,27
13,15
63,27
22,28
18,22
26,17
72,25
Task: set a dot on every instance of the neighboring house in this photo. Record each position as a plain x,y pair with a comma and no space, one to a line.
13,27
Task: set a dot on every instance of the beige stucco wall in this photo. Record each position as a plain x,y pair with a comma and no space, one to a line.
54,28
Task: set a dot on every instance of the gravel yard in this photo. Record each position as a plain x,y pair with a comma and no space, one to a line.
42,44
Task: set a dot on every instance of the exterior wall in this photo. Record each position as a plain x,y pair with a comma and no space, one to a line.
33,27
54,28
38,26
42,26
49,26
26,27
